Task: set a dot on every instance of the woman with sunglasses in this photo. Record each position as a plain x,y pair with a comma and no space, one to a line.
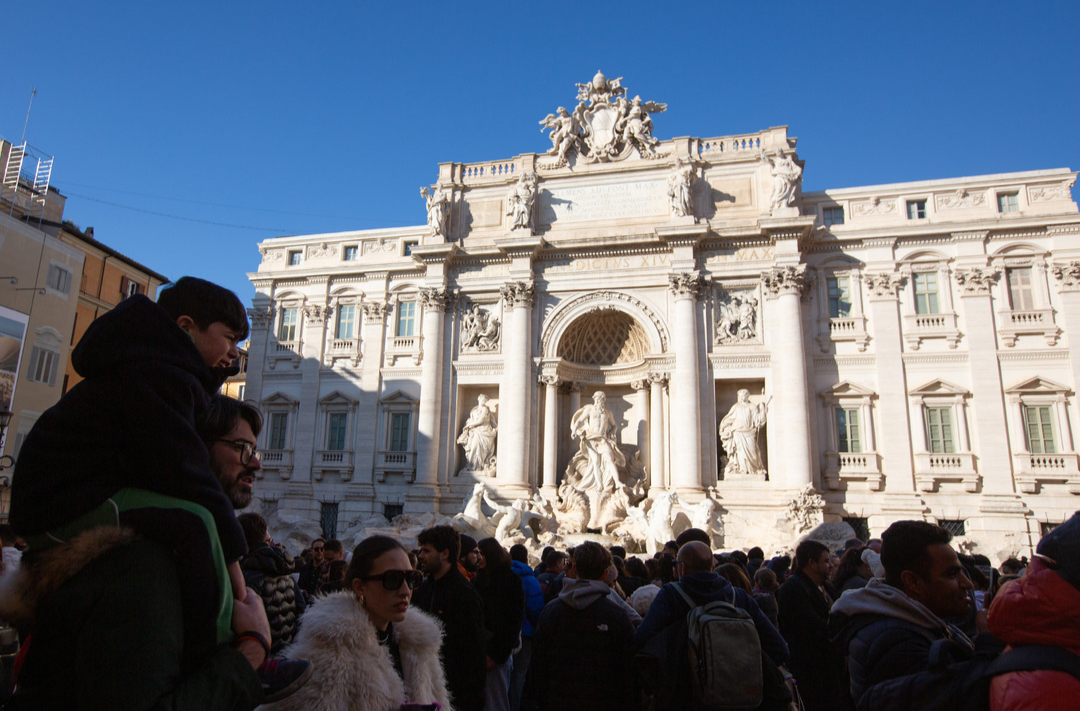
368,650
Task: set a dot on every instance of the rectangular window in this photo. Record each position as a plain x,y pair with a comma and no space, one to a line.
43,366
399,431
1045,527
916,209
939,430
335,431
295,256
287,327
408,246
832,216
346,321
847,430
328,516
954,526
1021,296
839,297
390,511
926,292
406,319
861,526
279,423
58,279
1040,430
1008,202
352,253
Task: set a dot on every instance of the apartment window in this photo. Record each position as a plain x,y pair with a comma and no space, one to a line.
839,297
328,516
939,430
58,279
1040,430
954,526
860,525
400,424
1008,202
335,431
130,287
295,256
832,216
847,430
926,292
1021,296
279,423
352,253
287,327
409,244
916,209
43,366
346,322
406,319
390,511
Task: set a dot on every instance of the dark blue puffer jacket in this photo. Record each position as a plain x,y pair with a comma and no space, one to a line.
534,596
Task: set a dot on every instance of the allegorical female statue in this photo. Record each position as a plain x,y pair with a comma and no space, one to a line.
478,438
739,436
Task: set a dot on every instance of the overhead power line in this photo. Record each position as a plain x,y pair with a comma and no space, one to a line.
187,219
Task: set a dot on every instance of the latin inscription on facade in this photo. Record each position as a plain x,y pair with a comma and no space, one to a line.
603,202
606,264
743,254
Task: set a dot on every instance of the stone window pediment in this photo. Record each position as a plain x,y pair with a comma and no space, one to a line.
1038,386
939,387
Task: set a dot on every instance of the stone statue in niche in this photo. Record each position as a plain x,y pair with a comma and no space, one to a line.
565,131
437,201
519,203
739,437
738,319
478,438
480,330
680,185
596,465
787,175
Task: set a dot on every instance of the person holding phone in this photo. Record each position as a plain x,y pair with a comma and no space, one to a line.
368,648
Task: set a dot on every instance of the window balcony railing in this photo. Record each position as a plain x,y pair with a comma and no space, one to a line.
280,460
1031,470
404,347
395,463
339,461
845,328
933,468
1027,322
853,466
918,327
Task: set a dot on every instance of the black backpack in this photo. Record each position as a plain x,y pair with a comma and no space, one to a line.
955,683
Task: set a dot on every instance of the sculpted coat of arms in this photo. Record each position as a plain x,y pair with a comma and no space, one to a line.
604,126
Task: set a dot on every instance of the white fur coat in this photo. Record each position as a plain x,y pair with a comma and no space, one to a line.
350,670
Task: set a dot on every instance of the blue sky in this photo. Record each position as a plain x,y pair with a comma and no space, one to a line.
299,118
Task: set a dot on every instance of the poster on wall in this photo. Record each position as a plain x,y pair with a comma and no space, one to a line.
12,336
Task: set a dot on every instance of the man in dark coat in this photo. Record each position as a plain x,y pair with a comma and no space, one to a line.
583,645
446,594
816,662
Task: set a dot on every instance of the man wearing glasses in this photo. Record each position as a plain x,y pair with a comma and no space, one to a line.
314,570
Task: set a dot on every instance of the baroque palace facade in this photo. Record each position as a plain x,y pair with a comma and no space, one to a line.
905,350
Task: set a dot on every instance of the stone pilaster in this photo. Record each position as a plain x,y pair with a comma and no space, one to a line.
262,319
657,382
429,425
513,463
1067,280
551,434
367,445
688,288
787,285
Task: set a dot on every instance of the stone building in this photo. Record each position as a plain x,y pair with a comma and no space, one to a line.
904,349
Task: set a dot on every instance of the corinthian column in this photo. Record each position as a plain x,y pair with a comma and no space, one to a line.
516,388
786,285
429,419
685,384
657,381
551,432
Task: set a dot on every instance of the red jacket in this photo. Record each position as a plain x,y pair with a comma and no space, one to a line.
1039,608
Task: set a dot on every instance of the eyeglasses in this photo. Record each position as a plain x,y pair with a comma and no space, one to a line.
392,579
247,449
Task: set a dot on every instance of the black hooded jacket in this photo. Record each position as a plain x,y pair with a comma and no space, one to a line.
130,423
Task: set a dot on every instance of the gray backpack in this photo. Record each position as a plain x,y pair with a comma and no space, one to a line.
724,654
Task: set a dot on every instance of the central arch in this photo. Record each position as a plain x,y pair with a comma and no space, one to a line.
616,320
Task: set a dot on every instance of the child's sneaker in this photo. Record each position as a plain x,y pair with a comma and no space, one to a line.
283,677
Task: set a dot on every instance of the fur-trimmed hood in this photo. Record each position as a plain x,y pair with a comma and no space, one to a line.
350,670
38,577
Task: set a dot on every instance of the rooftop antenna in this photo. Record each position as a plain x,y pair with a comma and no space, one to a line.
27,122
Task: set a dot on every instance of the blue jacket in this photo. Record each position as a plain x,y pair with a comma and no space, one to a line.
534,597
669,607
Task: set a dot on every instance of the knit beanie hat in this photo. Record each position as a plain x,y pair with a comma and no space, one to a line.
1062,547
468,545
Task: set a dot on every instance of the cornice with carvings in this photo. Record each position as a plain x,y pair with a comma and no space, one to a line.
1033,356
376,310
316,314
884,285
976,281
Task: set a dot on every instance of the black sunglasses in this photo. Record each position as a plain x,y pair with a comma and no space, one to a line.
392,579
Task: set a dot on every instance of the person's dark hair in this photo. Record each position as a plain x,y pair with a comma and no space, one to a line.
333,545
205,303
739,558
337,571
665,569
519,553
636,568
781,565
1009,566
808,551
222,416
617,552
591,560
619,563
755,553
905,546
364,555
765,579
849,566
441,538
981,559
495,556
548,550
254,527
652,569
735,576
692,534
7,534
466,545
852,543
